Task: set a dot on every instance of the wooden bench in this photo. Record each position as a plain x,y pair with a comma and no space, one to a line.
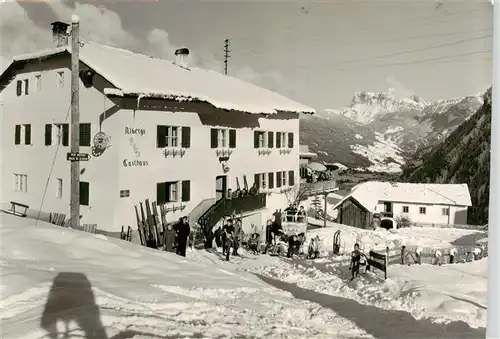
13,211
57,219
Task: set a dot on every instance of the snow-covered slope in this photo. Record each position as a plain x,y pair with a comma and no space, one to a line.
386,128
56,280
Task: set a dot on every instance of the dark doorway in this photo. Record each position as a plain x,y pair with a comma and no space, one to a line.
388,207
220,187
387,224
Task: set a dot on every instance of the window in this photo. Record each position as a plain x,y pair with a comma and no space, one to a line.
422,210
280,139
60,79
22,134
169,191
406,209
260,139
38,82
22,87
260,180
283,179
169,136
222,138
59,191
85,134
84,193
20,182
57,134
445,211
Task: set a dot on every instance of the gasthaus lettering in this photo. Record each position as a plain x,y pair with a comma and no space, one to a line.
135,163
135,131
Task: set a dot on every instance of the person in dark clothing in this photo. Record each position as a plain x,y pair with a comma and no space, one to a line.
218,237
183,230
269,236
224,235
292,242
169,238
228,231
254,190
355,259
237,236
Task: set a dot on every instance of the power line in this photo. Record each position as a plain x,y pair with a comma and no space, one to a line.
417,61
51,169
421,49
226,55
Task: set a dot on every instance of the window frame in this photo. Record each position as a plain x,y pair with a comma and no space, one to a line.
60,79
20,182
445,211
406,209
422,210
284,178
59,188
38,82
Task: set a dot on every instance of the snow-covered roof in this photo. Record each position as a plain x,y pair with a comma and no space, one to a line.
138,74
370,193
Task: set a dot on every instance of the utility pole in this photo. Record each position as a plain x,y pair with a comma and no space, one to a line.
75,123
226,55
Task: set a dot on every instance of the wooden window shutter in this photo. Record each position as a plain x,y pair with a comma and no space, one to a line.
161,190
85,134
278,139
19,88
290,140
186,137
26,86
48,134
270,139
17,137
161,136
278,179
186,190
65,140
213,138
232,138
27,134
291,178
256,139
271,180
257,180
84,193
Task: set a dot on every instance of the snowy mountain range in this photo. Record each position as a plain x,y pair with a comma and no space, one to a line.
379,131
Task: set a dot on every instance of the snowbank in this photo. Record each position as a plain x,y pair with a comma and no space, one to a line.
124,290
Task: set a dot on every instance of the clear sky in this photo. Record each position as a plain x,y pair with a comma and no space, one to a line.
316,52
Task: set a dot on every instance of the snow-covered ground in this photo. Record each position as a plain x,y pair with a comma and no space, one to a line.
117,290
129,291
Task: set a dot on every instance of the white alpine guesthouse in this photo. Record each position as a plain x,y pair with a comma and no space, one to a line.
155,129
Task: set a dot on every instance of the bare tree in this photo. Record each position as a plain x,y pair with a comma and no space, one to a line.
297,193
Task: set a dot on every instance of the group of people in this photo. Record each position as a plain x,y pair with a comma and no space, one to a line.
175,237
229,236
238,193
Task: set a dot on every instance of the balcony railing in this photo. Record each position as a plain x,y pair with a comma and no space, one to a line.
386,214
320,186
235,206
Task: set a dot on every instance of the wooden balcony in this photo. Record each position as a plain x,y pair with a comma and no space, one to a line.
322,187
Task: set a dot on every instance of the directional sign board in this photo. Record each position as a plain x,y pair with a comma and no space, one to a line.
77,156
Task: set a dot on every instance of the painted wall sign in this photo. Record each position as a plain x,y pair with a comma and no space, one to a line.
135,163
134,147
135,131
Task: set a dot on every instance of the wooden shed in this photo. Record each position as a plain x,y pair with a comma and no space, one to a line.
352,213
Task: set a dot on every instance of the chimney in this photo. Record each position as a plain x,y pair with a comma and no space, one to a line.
59,33
180,57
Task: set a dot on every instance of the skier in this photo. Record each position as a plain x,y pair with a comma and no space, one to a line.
355,259
183,230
